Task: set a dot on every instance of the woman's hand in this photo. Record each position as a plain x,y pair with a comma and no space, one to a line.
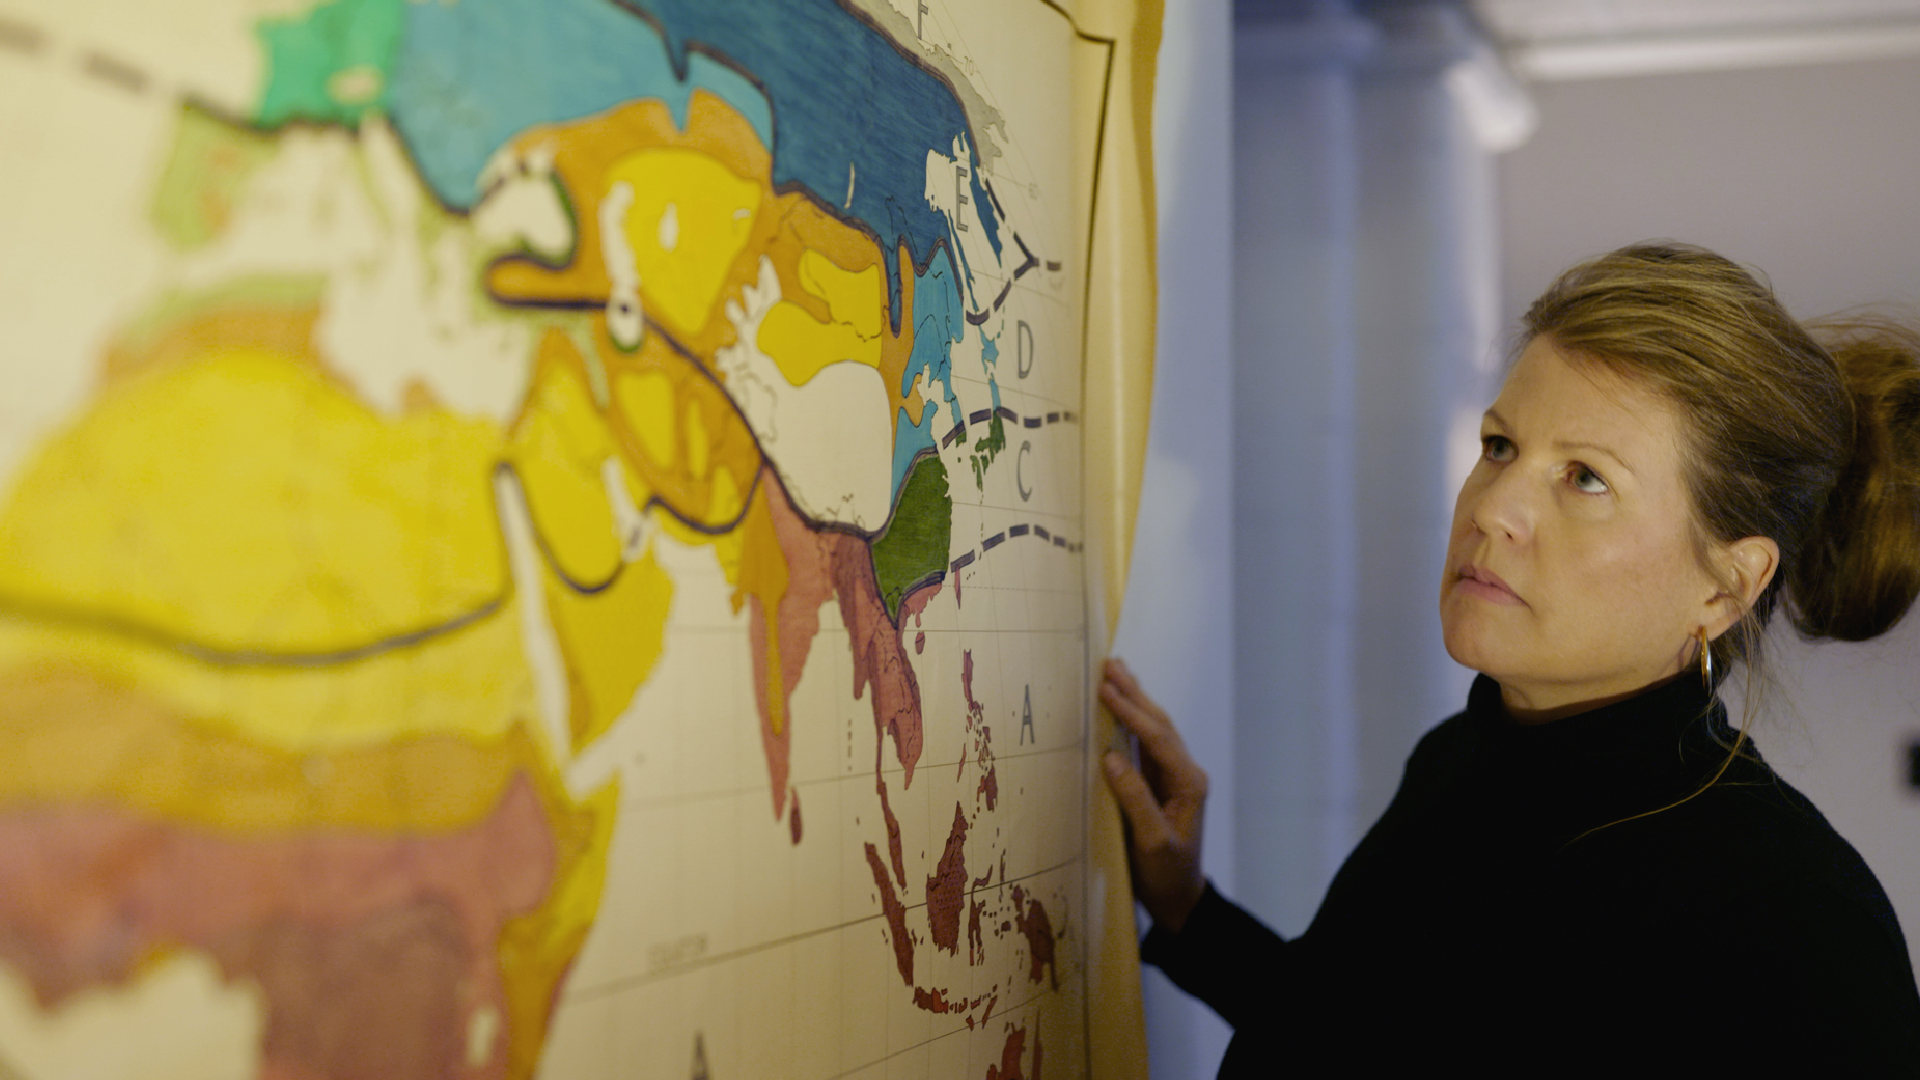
1162,801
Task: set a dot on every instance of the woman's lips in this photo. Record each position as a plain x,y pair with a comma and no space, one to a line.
1485,584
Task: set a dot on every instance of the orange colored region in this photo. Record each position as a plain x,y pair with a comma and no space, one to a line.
374,953
283,326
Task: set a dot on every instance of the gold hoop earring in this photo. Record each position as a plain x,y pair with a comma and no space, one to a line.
1706,659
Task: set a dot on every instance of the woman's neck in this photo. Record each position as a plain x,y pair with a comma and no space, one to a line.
1530,709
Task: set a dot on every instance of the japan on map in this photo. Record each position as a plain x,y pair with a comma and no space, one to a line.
548,538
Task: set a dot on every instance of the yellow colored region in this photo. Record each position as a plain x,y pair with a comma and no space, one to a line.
611,640
689,219
855,297
610,618
243,502
537,949
262,555
647,397
558,446
800,345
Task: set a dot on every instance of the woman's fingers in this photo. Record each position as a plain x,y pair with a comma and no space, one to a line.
1138,802
1171,772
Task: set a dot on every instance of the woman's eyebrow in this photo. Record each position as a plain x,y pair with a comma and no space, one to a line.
1574,444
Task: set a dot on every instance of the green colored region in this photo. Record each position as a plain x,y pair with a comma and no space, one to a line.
332,65
914,547
206,173
986,450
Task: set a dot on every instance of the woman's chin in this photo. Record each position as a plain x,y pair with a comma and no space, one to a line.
1473,646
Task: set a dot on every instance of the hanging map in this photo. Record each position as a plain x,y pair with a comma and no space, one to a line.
549,538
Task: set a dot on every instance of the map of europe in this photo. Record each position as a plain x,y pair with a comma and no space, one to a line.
542,538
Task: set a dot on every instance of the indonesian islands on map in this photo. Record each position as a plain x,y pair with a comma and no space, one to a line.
542,537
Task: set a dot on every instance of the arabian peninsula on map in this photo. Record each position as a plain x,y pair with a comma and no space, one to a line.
542,538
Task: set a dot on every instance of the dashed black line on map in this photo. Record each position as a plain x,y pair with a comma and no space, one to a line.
1014,532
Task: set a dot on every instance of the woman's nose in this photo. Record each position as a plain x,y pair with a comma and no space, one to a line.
1504,505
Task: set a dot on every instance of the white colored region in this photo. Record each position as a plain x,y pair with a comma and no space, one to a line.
950,191
401,294
670,227
522,207
542,645
832,439
482,1028
177,1020
625,322
80,252
414,316
629,522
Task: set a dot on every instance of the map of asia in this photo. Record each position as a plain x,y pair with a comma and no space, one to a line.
544,538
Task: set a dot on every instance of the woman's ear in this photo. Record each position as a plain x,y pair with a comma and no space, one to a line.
1748,566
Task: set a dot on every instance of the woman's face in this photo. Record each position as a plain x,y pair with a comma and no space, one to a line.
1571,575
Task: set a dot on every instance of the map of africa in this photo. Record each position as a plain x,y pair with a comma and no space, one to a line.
544,538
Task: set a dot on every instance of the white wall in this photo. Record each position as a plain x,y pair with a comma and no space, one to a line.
1176,627
1326,278
1811,174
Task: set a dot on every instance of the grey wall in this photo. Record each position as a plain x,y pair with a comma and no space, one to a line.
1811,174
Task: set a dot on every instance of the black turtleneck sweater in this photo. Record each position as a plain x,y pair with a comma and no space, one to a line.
1476,925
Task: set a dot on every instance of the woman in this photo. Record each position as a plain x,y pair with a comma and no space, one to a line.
1591,868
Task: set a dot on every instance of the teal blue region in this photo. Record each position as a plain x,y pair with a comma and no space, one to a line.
472,75
939,323
304,53
848,101
910,440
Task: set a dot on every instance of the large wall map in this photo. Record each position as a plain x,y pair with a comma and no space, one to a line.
543,537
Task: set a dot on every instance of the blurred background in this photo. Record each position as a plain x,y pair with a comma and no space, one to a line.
1357,200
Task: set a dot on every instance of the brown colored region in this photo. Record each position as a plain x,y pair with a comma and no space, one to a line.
976,945
374,953
818,565
974,708
784,226
1032,919
947,888
1010,1053
793,815
1036,1051
886,814
896,916
915,603
933,1001
879,655
989,788
919,643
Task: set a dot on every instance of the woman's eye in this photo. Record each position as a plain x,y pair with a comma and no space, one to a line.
1496,448
1586,481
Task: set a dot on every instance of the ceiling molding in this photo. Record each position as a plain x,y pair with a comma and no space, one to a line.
1613,57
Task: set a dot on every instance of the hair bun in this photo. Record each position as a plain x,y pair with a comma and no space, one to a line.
1860,569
